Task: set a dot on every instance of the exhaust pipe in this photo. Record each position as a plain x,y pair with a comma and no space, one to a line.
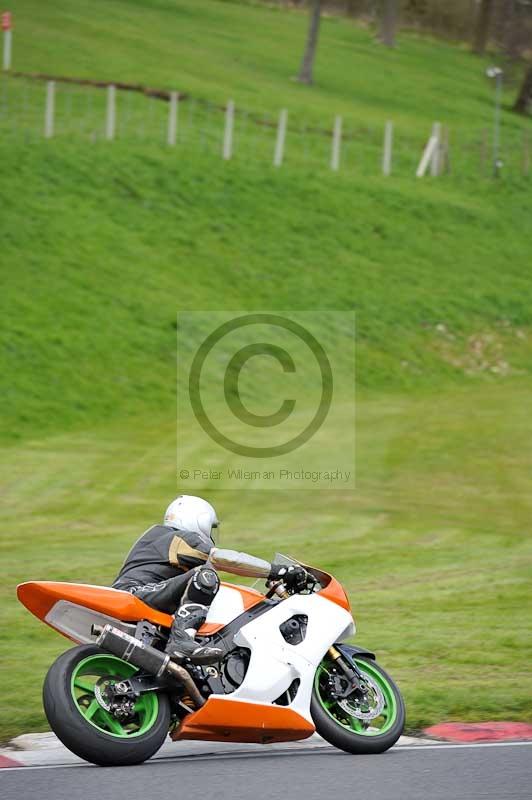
145,657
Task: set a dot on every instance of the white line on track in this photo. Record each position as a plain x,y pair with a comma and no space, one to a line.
266,753
454,746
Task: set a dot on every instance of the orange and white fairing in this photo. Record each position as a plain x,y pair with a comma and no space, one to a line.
56,603
272,703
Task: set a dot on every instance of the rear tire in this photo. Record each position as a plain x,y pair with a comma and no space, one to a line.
88,730
336,725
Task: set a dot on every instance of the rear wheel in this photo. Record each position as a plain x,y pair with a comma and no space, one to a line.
74,703
369,723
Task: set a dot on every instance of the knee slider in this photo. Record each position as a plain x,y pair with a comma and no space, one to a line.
203,586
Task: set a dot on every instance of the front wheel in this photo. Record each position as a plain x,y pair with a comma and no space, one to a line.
358,724
72,698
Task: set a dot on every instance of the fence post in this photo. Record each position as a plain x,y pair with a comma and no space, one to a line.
435,162
336,144
111,113
427,156
7,49
172,119
387,150
228,132
49,110
279,142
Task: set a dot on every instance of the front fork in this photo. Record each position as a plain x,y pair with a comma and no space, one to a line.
355,678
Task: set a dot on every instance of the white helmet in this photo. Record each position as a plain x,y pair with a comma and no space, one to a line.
192,514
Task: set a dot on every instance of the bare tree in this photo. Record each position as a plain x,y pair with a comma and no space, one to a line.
307,64
523,102
482,26
389,12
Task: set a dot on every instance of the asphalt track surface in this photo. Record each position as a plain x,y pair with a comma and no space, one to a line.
439,772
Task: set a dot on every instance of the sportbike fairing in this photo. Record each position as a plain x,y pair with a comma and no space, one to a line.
72,608
276,667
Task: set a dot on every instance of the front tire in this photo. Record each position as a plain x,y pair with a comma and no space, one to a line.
88,729
362,728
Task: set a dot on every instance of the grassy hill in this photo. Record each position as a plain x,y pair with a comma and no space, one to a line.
102,243
215,50
103,246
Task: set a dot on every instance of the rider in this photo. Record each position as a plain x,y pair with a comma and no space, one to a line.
172,567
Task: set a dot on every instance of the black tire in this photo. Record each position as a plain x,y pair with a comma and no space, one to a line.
83,738
337,735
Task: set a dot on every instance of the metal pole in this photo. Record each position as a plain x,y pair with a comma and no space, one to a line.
497,126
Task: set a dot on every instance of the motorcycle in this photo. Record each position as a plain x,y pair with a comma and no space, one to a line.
285,672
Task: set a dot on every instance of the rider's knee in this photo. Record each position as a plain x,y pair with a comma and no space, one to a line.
203,586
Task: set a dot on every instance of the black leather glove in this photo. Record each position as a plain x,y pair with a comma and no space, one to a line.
292,575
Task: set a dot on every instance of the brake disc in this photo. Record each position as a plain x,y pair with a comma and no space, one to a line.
100,691
374,699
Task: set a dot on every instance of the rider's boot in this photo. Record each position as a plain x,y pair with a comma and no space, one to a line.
181,643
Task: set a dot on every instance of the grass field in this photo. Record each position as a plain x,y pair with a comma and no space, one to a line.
214,49
102,245
434,547
204,49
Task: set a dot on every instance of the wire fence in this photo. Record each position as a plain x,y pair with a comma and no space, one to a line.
31,110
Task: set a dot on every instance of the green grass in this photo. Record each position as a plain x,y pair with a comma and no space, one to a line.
212,51
215,50
102,243
434,547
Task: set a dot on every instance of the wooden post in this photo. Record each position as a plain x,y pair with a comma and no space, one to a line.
279,142
49,110
427,156
435,162
111,113
336,144
227,150
7,49
387,150
172,119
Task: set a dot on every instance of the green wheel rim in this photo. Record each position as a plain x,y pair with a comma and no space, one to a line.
83,683
375,727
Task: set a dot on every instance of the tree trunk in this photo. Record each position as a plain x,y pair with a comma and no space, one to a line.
524,98
389,9
482,26
515,35
307,64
